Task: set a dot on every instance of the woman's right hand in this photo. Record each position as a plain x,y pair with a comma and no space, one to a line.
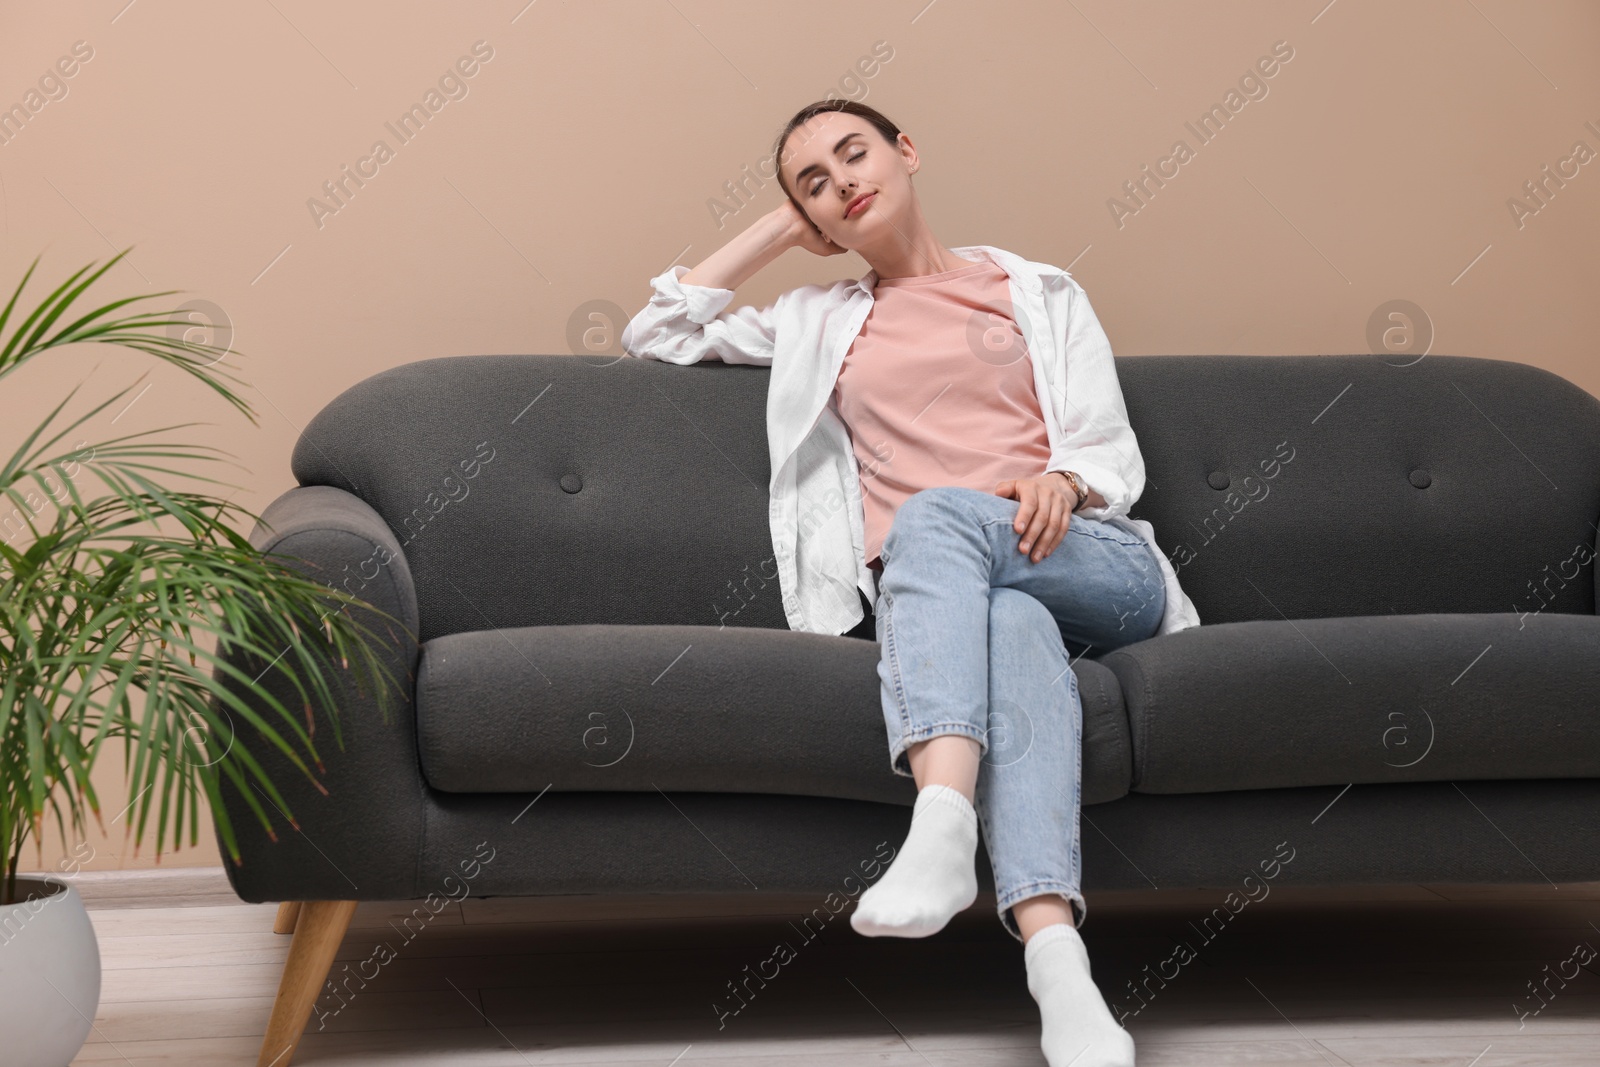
802,233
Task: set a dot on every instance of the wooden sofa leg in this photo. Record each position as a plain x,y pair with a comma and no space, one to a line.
318,929
288,912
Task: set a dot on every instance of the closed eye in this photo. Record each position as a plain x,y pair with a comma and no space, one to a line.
817,186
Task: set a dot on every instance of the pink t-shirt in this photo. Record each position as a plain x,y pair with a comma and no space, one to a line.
936,390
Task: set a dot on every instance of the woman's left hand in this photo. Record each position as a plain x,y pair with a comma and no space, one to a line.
1047,503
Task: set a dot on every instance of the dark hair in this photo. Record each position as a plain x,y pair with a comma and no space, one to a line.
890,132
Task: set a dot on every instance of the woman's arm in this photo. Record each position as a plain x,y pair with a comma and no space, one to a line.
681,323
740,259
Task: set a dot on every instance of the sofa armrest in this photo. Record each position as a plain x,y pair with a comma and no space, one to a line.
363,839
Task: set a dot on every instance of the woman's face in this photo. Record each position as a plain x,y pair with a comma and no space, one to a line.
835,158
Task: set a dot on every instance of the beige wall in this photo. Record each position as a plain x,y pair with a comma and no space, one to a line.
1380,162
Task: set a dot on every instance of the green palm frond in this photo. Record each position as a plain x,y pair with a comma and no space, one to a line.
112,627
28,340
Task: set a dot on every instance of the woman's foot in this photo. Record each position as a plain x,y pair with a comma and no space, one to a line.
932,877
1076,1026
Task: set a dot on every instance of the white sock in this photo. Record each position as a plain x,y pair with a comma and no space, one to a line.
932,876
1077,1027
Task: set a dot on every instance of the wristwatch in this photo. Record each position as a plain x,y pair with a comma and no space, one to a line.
1077,487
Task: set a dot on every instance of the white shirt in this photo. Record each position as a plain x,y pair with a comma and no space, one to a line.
816,512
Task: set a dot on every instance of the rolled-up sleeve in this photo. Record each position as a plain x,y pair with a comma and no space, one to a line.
682,324
1097,441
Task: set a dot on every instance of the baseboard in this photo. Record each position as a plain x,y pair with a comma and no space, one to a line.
155,887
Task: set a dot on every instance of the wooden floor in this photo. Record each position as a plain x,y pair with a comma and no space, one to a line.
1412,975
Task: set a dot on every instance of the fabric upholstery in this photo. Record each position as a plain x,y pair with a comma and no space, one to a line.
735,710
363,837
1423,832
1375,698
635,492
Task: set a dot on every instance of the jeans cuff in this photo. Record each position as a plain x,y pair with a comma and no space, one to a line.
1003,904
959,728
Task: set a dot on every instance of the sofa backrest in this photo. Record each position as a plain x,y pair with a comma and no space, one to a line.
547,490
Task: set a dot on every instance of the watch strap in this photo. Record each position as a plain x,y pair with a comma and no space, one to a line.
1077,487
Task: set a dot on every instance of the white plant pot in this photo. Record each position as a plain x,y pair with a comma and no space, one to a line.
49,974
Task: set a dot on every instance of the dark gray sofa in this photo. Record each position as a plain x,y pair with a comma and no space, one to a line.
1397,675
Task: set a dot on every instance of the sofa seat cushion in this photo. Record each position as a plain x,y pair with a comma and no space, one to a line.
1378,698
687,708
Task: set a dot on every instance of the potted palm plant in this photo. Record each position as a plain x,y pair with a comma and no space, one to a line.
120,594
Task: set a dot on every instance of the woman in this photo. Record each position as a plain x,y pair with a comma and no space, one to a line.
988,529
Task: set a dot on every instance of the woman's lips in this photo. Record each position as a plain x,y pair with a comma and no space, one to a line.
861,205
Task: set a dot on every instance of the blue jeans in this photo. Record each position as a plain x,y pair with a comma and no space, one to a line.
977,641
